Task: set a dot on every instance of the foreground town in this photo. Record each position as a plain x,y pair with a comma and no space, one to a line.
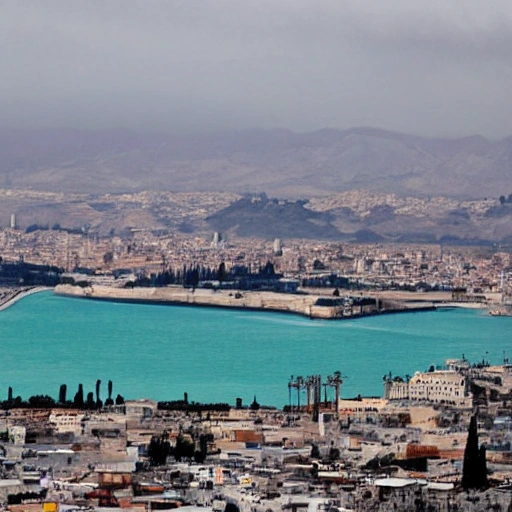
409,450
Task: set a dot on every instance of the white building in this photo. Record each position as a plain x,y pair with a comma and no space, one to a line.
442,386
17,435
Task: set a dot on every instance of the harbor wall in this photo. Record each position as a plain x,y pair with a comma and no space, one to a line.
257,301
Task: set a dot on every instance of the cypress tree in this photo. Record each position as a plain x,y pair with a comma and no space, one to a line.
62,393
221,272
109,400
90,404
79,397
158,450
99,403
474,471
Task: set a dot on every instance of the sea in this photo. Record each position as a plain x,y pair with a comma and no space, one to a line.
218,355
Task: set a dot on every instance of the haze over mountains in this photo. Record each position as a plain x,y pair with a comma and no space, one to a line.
361,184
278,162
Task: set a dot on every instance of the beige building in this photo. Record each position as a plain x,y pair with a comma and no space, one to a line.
396,390
18,435
66,421
442,386
141,409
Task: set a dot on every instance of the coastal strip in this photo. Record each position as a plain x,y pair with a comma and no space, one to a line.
9,296
308,305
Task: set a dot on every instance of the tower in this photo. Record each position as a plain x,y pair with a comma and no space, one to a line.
278,251
216,240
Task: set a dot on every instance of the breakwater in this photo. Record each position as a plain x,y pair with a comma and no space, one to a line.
308,305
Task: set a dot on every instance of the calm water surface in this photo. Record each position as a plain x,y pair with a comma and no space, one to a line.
217,355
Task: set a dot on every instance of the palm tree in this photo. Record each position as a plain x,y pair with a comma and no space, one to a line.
308,384
299,384
336,381
325,385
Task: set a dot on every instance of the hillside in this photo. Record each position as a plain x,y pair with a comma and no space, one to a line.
357,215
278,162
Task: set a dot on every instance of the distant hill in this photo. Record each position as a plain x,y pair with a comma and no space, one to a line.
361,216
258,216
279,162
352,216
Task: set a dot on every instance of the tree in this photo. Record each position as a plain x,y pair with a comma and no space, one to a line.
334,454
299,383
99,403
159,449
231,507
474,470
268,269
502,200
41,401
108,258
109,400
184,449
193,278
62,393
255,405
336,381
204,439
318,265
90,404
221,272
79,397
119,400
200,455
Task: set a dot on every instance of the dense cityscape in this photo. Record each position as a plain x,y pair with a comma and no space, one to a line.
378,265
255,256
407,450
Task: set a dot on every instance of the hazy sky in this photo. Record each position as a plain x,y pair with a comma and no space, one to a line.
434,67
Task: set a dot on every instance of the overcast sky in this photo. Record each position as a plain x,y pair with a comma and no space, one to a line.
432,67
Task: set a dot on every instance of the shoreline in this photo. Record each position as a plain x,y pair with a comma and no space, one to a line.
19,293
303,305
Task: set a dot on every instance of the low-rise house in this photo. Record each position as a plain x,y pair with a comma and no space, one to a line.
67,421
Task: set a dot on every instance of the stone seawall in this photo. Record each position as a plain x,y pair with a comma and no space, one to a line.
257,301
298,304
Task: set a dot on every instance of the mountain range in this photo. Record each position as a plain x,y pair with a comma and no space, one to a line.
279,162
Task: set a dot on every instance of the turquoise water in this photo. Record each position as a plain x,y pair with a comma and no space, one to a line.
217,355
